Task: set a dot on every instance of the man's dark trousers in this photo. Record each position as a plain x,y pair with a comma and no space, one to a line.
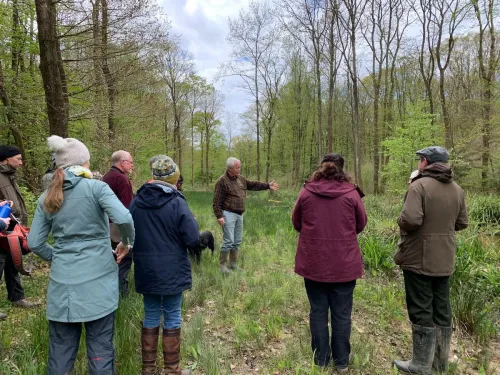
15,291
428,299
123,271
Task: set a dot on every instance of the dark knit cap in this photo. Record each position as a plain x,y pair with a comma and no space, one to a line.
9,151
334,158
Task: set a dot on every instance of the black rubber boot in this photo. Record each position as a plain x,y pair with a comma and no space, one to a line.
424,343
442,353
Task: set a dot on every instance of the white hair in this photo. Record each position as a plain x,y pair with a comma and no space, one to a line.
231,161
118,156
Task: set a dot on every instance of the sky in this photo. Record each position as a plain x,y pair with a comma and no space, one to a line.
203,27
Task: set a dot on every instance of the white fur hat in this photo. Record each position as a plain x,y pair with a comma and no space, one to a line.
68,151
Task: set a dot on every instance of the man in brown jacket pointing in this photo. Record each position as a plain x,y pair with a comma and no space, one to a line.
434,209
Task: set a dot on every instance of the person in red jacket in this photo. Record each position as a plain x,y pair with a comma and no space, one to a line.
118,180
329,215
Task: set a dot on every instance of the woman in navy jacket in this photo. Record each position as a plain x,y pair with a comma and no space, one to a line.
165,228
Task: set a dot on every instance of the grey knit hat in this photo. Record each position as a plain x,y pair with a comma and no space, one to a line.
68,151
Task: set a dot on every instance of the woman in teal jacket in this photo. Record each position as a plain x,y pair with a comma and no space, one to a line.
83,286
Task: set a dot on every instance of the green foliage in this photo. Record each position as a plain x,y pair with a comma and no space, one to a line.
417,131
259,318
484,209
377,253
475,286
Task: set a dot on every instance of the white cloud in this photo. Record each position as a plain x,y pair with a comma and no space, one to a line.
203,26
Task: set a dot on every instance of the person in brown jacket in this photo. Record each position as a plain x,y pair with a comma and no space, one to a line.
434,209
10,161
229,206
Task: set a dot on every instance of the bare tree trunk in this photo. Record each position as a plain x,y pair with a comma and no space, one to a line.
448,134
355,93
257,108
319,104
192,148
17,40
488,71
4,97
207,149
108,76
201,158
51,68
331,89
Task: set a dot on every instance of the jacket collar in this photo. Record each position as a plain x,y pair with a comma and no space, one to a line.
231,177
7,169
163,183
113,168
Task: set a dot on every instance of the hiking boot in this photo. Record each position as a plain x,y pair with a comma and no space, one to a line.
25,304
442,353
3,316
223,262
424,343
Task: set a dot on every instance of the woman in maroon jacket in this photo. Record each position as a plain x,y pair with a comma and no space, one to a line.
329,215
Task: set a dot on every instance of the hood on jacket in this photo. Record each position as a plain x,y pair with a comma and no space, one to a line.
155,194
329,188
438,171
7,169
70,180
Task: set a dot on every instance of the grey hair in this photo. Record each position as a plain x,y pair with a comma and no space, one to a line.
230,162
118,156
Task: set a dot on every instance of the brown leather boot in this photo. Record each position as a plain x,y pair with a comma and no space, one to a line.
149,349
172,352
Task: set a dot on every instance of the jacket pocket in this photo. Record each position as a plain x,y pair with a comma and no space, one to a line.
399,256
439,254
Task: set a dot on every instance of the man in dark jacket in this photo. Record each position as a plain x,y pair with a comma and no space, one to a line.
164,229
434,209
10,160
118,181
229,206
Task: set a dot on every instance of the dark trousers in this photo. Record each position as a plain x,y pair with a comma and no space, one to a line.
15,291
336,297
428,299
123,271
64,339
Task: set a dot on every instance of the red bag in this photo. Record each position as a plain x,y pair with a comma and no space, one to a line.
15,243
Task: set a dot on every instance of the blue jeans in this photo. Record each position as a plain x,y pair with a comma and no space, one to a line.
232,231
155,305
336,297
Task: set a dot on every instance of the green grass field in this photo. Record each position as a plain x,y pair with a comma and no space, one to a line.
256,321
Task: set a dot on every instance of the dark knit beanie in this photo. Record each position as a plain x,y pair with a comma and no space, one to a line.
8,152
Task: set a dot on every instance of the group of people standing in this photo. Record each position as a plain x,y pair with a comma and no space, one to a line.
94,224
329,214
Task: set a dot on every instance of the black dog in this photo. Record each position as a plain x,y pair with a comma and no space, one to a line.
206,240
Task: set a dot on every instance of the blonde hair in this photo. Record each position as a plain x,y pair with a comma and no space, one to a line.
55,197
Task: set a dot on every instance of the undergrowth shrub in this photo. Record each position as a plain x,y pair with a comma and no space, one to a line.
475,286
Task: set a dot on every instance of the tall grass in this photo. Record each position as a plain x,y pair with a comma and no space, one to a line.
257,320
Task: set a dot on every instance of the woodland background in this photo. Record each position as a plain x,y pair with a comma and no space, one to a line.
373,80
